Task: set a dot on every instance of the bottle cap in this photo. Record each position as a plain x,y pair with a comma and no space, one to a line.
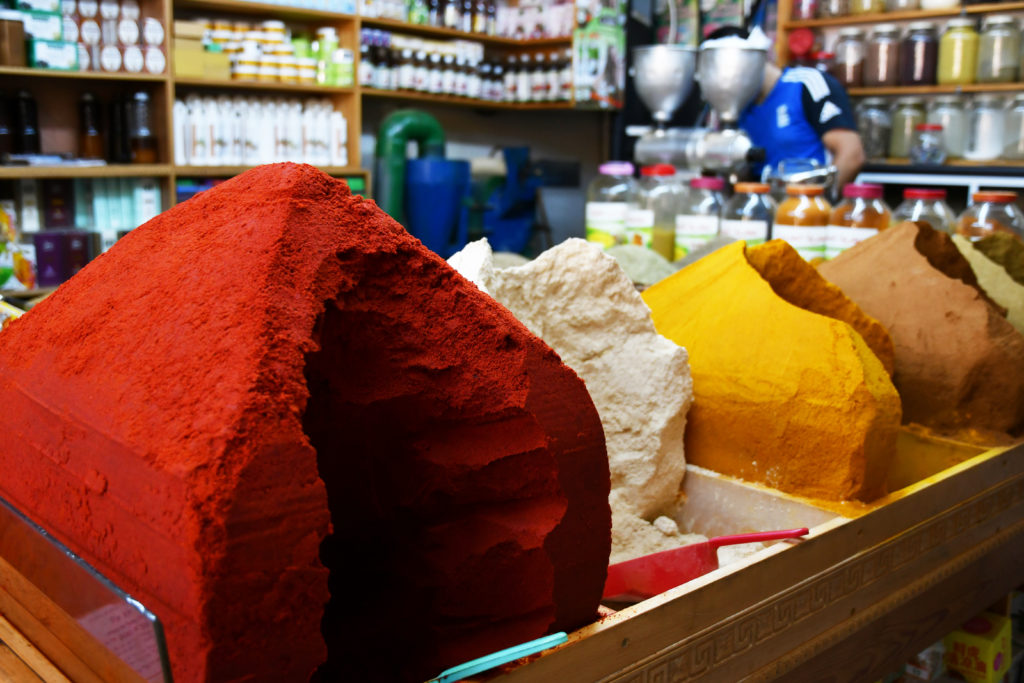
752,188
994,197
809,190
863,191
708,183
929,126
922,193
616,168
658,170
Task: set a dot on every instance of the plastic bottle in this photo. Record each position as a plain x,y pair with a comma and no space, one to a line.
607,202
748,215
802,220
861,215
699,219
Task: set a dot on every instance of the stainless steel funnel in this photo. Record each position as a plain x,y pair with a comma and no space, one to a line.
663,76
730,77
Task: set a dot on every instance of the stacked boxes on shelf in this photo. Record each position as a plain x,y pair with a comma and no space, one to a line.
59,225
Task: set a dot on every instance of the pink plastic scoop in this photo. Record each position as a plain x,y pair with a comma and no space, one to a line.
647,576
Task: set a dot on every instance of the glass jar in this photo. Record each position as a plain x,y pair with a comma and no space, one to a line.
802,220
1013,140
849,64
607,202
928,146
749,213
861,214
833,8
939,4
919,54
700,215
991,212
986,125
867,6
881,63
901,5
874,123
908,113
141,136
804,9
948,112
651,214
923,206
958,53
998,49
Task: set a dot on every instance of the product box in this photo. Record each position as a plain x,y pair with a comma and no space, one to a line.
189,30
53,54
43,25
78,243
58,204
146,200
83,204
38,5
980,649
599,54
29,219
51,257
188,61
926,665
216,66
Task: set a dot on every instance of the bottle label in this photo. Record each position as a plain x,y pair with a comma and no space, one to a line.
694,231
133,59
808,240
639,224
839,238
406,76
606,223
753,232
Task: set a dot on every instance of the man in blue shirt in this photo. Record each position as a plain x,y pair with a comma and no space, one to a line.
802,113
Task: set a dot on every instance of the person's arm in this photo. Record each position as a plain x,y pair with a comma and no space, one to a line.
828,110
847,154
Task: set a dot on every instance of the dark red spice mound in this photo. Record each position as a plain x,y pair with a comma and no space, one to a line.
193,370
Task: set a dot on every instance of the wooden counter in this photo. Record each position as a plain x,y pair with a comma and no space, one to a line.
851,602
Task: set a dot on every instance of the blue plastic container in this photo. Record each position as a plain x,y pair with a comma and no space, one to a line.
436,210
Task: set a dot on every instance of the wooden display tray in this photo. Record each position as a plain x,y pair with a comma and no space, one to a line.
870,586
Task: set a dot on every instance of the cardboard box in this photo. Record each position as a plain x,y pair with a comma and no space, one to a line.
188,63
53,54
216,66
43,25
980,649
194,30
38,5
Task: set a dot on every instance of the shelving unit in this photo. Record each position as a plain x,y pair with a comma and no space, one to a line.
165,88
910,15
937,89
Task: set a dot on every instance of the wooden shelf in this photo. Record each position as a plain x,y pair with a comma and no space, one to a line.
263,9
232,171
936,89
108,171
913,15
435,32
261,85
87,75
961,163
465,101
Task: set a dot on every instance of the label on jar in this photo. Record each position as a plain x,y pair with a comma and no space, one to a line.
87,9
406,76
606,222
70,30
110,58
639,224
808,240
754,232
152,31
110,9
694,231
90,32
839,238
133,60
128,32
155,60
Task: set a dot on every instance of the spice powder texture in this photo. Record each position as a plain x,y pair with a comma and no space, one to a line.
271,390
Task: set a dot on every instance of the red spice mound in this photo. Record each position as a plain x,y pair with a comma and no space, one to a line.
276,356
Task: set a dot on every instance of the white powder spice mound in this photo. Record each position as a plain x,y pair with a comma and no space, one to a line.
580,301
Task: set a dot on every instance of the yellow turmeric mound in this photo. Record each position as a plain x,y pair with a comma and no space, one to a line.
796,281
782,396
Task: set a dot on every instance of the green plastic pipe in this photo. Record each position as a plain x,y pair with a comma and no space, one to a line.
392,139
